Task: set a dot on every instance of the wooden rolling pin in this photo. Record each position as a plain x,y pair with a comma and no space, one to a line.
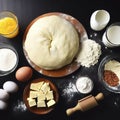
86,103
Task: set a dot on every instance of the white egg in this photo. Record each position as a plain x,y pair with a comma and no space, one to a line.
10,86
4,95
3,105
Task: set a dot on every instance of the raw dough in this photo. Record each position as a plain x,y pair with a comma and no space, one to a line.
52,42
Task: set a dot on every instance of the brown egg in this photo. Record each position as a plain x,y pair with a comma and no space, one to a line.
24,73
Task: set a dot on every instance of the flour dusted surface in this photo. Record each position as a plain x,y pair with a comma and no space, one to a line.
89,53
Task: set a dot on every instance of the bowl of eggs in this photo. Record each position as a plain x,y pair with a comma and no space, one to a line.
40,96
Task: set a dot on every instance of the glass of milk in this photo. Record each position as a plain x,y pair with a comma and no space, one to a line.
111,37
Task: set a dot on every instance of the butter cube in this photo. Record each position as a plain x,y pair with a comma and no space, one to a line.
33,94
41,103
36,86
45,87
41,97
49,95
32,102
50,103
29,98
39,93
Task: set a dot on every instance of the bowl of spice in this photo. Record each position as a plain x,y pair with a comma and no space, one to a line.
109,73
8,59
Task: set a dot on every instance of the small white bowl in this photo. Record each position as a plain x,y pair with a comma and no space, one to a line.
99,19
7,46
84,85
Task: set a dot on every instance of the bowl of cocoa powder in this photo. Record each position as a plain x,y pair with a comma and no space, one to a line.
109,73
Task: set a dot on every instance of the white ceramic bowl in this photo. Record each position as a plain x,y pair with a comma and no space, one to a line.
99,19
7,46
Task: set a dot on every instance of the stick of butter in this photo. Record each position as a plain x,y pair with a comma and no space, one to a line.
45,87
49,95
51,103
31,102
36,86
41,103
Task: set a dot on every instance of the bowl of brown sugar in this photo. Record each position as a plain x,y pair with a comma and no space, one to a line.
109,73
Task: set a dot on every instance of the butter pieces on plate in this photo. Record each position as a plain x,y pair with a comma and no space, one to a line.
41,95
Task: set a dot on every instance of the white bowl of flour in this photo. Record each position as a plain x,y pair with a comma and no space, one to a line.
8,59
84,85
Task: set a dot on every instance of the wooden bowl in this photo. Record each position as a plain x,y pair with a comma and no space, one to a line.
68,69
40,110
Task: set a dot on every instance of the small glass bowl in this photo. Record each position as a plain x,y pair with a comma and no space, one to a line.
115,89
7,46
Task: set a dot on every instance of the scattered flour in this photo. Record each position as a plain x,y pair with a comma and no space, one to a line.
89,53
69,91
20,106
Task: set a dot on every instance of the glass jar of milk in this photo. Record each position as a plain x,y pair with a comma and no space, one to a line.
111,37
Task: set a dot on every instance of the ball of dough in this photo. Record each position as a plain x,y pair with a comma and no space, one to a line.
52,42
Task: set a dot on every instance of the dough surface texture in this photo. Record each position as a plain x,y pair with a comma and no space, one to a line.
51,42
